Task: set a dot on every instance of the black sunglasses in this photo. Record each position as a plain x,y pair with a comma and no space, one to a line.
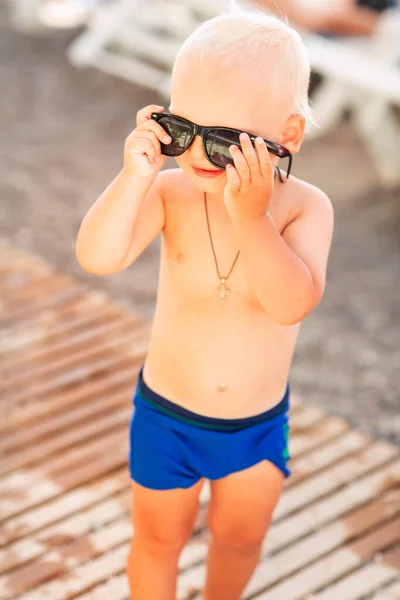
216,140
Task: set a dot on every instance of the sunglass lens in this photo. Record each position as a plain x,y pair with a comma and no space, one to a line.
217,146
180,133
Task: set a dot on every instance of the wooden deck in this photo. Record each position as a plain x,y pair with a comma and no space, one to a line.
69,359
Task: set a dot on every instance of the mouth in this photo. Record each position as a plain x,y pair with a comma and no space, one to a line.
207,172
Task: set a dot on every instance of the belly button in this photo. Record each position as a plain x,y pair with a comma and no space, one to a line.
221,387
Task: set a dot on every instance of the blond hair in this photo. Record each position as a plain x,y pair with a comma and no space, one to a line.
243,39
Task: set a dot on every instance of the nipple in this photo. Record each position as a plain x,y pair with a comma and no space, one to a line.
221,387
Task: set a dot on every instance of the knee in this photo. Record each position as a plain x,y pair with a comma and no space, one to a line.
160,539
240,536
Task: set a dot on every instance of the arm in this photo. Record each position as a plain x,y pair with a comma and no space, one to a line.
130,212
127,216
287,272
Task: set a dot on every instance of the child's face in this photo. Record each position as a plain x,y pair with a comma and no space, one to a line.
209,97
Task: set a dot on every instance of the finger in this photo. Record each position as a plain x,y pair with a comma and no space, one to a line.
240,164
143,146
144,114
150,135
233,179
160,132
250,155
266,166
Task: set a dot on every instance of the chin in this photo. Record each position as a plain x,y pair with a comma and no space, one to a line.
211,187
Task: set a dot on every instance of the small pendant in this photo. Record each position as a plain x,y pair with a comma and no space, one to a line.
222,290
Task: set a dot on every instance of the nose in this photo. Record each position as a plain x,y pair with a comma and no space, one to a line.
196,148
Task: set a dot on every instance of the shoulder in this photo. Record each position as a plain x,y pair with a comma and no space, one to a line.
304,198
306,192
172,179
172,184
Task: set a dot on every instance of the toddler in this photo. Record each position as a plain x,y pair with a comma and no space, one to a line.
243,260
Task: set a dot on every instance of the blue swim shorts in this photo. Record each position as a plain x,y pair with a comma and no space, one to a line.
172,447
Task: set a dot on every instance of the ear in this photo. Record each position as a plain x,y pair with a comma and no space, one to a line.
292,134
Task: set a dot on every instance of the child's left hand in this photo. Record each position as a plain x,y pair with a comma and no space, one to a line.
250,182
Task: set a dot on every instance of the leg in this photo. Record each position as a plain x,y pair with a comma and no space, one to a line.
163,521
239,516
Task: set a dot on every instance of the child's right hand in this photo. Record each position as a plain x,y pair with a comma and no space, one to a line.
142,152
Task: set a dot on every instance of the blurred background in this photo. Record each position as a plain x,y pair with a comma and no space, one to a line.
73,74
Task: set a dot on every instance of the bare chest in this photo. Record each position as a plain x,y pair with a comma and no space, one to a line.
201,256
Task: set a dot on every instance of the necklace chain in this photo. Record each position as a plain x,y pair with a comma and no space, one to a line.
223,279
222,290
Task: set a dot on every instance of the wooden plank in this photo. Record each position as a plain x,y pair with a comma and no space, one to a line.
82,578
286,532
75,378
70,502
66,526
129,346
338,563
30,288
106,383
279,565
74,334
321,484
15,335
20,273
11,279
327,454
19,339
85,358
117,421
73,339
313,436
295,402
32,333
26,489
15,260
60,298
321,542
391,592
66,530
12,257
55,425
343,500
66,461
305,419
26,295
54,563
362,582
116,588
17,268
323,456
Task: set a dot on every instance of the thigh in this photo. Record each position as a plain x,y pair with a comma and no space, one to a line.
166,516
242,503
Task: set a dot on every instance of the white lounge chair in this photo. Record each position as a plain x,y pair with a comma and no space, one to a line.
23,14
362,74
37,15
139,39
